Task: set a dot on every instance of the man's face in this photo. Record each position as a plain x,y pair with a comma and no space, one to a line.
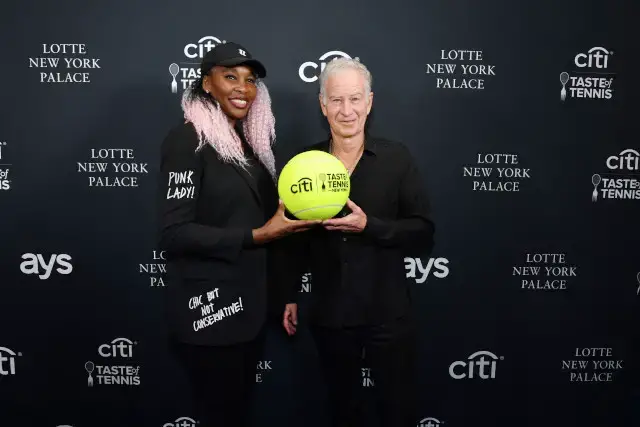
347,104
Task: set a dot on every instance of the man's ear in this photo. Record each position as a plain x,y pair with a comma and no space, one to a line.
322,106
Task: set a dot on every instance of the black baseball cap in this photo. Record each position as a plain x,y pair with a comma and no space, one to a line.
229,55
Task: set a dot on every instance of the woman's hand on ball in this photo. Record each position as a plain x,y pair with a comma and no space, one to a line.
355,222
280,226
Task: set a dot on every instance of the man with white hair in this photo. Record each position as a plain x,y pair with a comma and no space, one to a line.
360,302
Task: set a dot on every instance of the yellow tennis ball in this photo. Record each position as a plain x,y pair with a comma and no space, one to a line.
314,185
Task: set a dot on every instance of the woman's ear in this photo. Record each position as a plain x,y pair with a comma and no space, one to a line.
206,84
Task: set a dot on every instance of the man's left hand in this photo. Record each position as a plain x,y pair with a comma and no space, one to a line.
355,222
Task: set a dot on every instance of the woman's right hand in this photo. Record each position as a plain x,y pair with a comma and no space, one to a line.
280,226
290,318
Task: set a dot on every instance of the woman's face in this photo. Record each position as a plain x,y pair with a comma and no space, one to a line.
234,88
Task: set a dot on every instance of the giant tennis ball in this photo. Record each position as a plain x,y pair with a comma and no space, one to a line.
314,185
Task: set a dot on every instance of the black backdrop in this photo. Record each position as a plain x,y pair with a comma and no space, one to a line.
509,166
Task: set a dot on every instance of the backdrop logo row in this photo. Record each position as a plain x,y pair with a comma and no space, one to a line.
185,72
190,422
480,365
116,365
589,76
586,365
179,422
538,272
415,269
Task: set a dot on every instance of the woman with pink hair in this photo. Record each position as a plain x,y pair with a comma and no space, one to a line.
219,222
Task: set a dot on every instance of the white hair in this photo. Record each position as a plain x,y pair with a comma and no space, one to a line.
341,64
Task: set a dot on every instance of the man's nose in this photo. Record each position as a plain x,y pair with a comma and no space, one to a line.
346,108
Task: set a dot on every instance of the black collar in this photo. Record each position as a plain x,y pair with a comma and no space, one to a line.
369,145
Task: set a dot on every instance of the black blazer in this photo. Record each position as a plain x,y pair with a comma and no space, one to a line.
216,277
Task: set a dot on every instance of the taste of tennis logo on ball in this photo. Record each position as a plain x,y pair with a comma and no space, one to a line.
314,185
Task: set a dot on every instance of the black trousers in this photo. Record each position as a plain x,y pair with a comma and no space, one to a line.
222,380
389,351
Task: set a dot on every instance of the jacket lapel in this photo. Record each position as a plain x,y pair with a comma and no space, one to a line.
248,179
251,182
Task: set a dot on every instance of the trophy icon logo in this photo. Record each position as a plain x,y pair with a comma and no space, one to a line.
323,178
595,180
174,69
89,367
564,78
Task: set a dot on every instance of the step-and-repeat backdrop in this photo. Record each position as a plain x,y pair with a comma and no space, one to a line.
518,115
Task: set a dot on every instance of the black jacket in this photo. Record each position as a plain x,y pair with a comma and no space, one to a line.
216,277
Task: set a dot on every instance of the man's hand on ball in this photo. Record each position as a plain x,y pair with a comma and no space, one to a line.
355,222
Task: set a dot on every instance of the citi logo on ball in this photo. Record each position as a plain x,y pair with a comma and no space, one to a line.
304,185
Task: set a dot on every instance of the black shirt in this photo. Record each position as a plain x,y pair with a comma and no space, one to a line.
360,278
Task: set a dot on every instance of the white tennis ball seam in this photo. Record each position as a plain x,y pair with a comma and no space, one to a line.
317,207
